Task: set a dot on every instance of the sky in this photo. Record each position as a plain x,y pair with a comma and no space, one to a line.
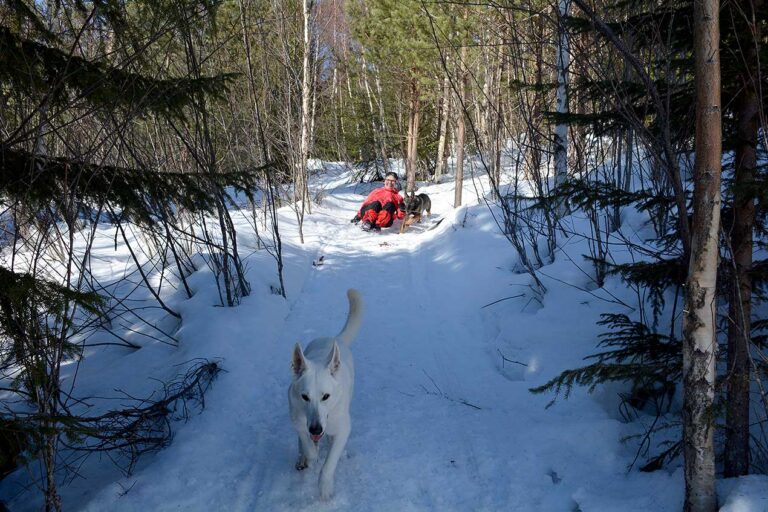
453,337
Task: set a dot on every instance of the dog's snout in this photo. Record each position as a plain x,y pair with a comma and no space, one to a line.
315,429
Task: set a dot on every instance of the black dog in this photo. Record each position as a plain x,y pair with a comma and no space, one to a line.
415,206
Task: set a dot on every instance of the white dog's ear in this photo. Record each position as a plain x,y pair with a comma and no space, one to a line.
334,359
299,364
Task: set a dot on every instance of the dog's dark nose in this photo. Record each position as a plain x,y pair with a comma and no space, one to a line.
315,429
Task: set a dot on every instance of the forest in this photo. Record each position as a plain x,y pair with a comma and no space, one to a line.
175,128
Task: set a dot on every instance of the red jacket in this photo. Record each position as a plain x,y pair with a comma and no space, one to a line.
385,195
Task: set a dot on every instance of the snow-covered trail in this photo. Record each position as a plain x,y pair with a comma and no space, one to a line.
404,365
420,406
436,426
439,424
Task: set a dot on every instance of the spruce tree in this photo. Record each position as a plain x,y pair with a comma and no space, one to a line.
398,38
78,85
657,36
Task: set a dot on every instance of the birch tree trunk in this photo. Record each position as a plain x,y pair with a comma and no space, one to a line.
446,105
497,142
533,127
561,129
382,121
313,89
414,115
485,118
461,111
699,320
377,127
351,103
301,193
338,123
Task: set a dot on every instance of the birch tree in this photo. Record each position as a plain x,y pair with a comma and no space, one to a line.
699,320
445,108
379,129
397,37
460,124
301,193
561,129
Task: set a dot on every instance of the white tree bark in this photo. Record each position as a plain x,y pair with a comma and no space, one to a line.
313,89
700,313
460,128
301,193
377,127
412,152
446,104
561,129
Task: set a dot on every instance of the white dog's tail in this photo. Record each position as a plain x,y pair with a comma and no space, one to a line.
354,318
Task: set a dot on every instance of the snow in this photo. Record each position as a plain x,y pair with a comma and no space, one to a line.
443,419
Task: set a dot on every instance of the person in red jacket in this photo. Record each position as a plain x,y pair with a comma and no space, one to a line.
382,206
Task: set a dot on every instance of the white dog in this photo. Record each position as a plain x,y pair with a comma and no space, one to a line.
320,394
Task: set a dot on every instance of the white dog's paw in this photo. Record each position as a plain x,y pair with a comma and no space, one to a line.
326,488
302,463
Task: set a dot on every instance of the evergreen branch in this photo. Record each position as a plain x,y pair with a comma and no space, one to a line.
665,142
589,195
35,69
142,196
131,431
23,11
668,455
24,297
24,289
592,375
648,360
660,274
